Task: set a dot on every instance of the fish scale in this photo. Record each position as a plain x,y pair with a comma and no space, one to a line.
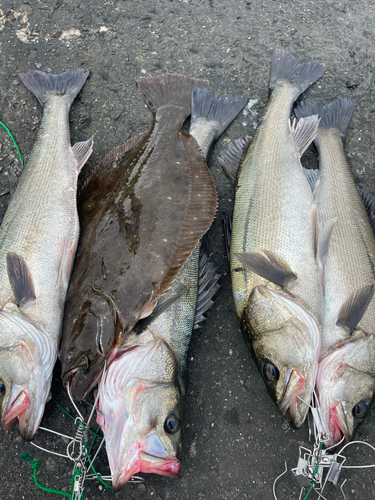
272,209
351,252
37,245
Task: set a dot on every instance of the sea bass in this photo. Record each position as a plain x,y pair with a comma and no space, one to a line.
346,380
275,279
141,400
38,239
142,213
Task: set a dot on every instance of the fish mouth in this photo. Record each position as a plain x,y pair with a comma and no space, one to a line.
143,462
294,386
16,413
338,425
78,380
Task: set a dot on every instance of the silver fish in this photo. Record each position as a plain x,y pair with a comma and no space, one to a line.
348,277
141,402
275,279
38,238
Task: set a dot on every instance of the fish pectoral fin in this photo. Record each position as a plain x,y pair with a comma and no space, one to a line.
271,268
354,308
323,240
304,132
207,287
20,279
230,157
82,152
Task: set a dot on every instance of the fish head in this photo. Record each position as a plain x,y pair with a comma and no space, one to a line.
346,385
27,358
140,410
285,342
91,327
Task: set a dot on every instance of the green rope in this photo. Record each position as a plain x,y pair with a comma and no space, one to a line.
314,474
79,422
35,466
14,142
97,475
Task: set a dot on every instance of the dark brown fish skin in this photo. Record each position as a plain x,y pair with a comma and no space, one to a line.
141,216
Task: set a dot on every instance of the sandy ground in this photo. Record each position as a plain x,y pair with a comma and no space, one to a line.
236,441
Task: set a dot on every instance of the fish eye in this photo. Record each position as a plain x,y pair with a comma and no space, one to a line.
360,409
2,389
271,372
70,356
172,424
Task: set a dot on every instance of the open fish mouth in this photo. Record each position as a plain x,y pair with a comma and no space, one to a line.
143,462
294,386
338,426
16,413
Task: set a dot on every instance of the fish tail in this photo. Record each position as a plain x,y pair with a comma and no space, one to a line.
285,68
43,85
169,90
222,110
336,114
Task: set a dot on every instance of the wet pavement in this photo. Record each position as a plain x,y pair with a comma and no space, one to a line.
236,442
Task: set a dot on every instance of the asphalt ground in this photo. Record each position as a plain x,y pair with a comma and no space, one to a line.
236,441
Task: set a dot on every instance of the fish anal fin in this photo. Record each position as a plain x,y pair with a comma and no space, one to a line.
368,201
20,279
231,156
272,268
14,174
354,308
200,212
82,152
207,287
312,175
304,132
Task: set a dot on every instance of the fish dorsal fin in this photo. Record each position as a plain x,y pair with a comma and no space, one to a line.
200,213
20,279
113,156
230,157
312,175
354,308
368,201
271,268
207,287
82,151
304,132
324,237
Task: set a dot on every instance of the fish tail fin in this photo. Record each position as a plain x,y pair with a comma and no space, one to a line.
43,85
285,68
169,90
219,111
336,114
